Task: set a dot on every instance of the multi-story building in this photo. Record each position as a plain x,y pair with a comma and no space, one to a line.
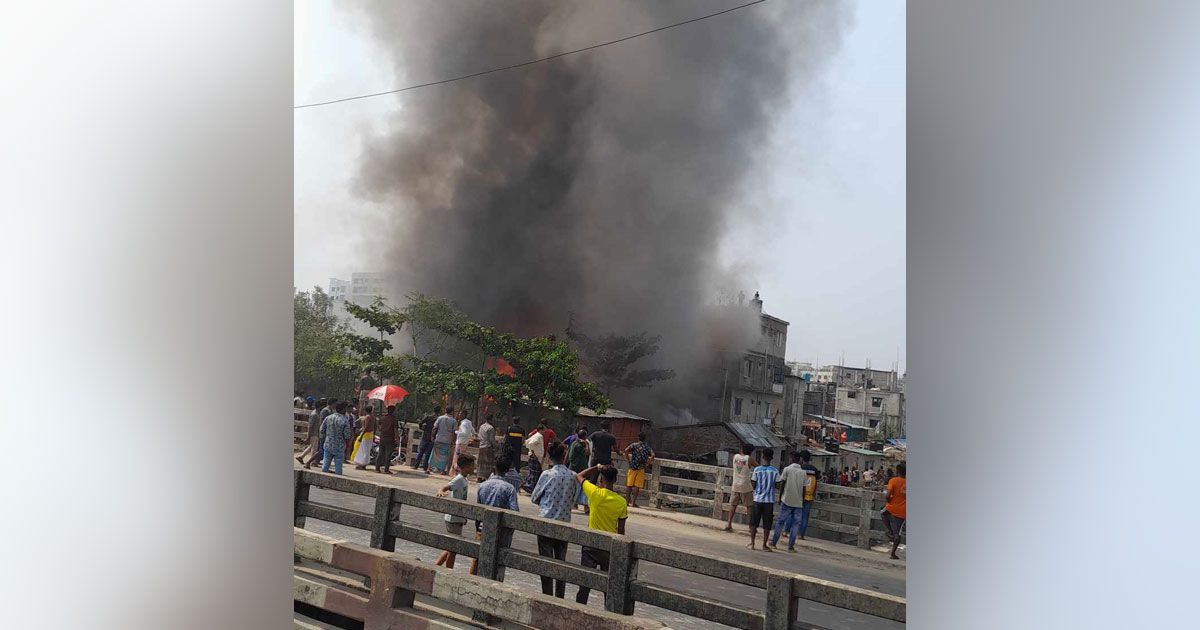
864,377
362,288
875,408
339,290
753,387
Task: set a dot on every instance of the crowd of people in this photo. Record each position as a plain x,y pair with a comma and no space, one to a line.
337,428
577,472
870,477
759,486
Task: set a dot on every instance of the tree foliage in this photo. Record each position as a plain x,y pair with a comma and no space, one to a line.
319,339
609,359
449,353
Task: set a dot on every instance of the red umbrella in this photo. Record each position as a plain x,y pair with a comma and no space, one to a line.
389,394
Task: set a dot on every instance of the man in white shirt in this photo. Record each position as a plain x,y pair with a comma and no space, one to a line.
743,488
463,437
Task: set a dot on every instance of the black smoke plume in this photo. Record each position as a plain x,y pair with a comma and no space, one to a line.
599,183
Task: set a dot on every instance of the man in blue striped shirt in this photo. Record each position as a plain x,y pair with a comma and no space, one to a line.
554,495
764,477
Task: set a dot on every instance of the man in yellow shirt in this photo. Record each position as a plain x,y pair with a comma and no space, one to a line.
608,513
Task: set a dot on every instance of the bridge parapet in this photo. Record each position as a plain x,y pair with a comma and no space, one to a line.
620,584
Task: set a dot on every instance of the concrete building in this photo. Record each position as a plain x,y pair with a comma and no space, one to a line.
871,407
339,290
753,379
815,374
864,377
793,406
362,288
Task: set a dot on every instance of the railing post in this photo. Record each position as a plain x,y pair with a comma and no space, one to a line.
865,509
299,493
655,502
622,570
490,543
780,610
718,496
490,546
384,497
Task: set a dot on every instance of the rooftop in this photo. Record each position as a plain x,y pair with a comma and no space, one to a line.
611,413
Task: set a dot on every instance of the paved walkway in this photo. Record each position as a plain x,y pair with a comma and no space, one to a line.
822,559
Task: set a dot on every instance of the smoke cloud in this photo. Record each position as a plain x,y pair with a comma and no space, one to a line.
598,184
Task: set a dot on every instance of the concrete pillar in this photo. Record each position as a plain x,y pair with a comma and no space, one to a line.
622,570
384,498
300,493
865,511
781,603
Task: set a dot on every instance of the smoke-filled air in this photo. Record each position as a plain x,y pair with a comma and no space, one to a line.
599,184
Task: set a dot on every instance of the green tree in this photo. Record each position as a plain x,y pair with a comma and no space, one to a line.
609,359
318,340
450,351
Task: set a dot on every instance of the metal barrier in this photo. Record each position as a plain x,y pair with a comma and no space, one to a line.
620,584
387,599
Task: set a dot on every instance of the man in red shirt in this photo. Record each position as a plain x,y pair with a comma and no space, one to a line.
548,434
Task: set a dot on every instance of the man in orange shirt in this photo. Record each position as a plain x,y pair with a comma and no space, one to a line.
894,512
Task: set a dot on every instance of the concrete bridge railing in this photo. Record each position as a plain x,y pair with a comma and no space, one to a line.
387,599
621,586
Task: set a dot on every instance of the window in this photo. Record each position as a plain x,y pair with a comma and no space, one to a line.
747,368
851,394
737,406
876,401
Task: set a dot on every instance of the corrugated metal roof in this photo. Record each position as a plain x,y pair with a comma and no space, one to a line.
860,451
820,452
849,424
756,435
611,413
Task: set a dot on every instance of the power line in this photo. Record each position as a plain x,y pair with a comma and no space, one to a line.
529,63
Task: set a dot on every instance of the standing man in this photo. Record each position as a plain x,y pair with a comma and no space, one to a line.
314,436
389,435
366,439
765,477
570,439
425,447
577,460
486,460
554,495
547,433
462,437
608,514
537,452
639,455
895,511
496,492
514,443
868,476
443,441
795,498
743,489
335,430
603,443
365,384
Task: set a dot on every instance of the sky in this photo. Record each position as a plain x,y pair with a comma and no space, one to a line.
832,262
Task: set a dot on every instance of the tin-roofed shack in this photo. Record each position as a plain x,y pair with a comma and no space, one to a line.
715,442
624,426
